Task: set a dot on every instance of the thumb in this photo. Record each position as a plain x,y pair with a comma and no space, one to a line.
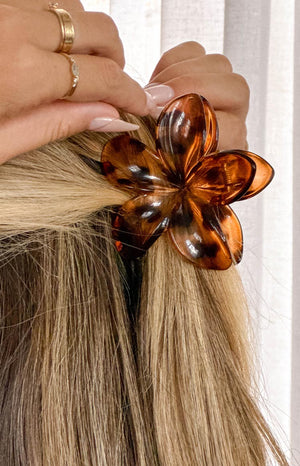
57,120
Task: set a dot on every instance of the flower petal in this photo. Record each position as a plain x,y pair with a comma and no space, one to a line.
196,233
139,222
212,128
131,166
263,175
180,134
231,227
222,178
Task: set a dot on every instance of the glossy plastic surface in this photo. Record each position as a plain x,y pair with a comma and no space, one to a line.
184,187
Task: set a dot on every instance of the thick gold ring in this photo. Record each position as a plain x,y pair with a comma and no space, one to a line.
75,74
67,28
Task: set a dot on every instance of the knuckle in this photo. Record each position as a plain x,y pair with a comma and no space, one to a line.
189,49
111,74
118,50
243,85
121,61
224,61
111,44
108,23
194,46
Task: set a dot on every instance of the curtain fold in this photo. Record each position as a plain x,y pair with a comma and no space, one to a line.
262,41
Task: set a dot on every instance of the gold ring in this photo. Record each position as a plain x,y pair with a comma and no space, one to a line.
75,74
67,28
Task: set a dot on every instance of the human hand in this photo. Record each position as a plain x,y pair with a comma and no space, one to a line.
33,77
186,68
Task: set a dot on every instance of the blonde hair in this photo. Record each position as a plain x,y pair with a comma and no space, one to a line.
87,379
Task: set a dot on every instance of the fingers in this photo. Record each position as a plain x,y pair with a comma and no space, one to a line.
186,68
39,126
102,79
182,52
211,63
33,77
37,76
95,33
41,77
232,132
225,91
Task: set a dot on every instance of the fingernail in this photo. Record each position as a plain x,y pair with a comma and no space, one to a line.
111,124
160,93
151,105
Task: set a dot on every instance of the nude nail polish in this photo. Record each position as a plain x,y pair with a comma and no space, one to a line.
111,125
151,105
160,93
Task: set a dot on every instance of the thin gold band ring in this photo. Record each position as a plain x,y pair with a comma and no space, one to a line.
67,28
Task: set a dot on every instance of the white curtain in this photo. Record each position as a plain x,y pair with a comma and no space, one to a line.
262,41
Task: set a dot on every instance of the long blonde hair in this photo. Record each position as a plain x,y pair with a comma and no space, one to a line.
84,379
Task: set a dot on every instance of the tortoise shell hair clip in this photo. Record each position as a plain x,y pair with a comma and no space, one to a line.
184,187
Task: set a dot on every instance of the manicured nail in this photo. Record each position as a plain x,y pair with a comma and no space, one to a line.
160,93
151,105
111,124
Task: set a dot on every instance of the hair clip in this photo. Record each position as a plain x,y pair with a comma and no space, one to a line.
184,187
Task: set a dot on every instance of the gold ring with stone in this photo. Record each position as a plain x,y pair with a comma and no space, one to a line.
67,28
75,74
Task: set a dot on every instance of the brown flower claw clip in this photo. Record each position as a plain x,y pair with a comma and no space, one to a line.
184,187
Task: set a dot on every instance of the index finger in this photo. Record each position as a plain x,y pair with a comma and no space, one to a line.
47,76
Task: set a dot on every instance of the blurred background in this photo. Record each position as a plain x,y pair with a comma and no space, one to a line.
262,40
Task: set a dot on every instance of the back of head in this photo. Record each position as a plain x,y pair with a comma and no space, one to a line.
106,361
